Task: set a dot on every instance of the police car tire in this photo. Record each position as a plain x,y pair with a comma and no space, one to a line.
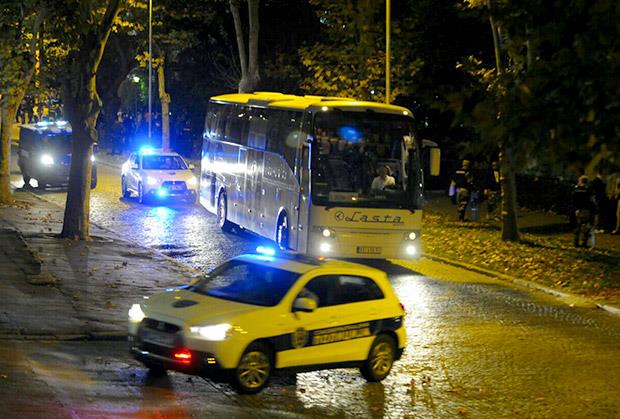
141,197
258,349
126,193
155,369
379,347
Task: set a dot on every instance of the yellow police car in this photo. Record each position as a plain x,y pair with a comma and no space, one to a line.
263,312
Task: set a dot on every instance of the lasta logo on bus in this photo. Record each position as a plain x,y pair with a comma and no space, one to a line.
359,217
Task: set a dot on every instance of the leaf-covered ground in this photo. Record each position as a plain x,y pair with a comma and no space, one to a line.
547,257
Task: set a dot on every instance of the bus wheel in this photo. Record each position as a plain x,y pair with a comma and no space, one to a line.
282,232
222,213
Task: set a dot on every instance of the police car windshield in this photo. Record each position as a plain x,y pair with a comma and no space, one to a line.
163,163
247,283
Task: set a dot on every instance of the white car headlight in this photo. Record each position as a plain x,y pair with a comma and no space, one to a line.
214,332
192,181
151,181
47,160
135,313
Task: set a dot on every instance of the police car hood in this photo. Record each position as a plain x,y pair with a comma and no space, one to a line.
191,308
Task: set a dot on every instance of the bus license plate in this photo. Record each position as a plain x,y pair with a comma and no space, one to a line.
369,250
158,338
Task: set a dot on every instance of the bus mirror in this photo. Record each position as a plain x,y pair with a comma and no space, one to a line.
435,156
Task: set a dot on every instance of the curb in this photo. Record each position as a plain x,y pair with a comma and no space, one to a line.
188,268
521,282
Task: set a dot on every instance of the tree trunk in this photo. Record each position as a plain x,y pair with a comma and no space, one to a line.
8,112
510,228
83,105
165,107
248,60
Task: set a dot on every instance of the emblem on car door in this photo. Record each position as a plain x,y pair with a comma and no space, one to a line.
299,338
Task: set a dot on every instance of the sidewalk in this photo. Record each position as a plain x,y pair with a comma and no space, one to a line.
64,289
545,258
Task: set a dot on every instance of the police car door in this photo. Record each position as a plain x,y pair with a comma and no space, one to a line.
323,336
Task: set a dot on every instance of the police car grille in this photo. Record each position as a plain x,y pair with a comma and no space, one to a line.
160,326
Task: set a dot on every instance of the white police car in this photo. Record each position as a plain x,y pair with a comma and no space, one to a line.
158,175
259,313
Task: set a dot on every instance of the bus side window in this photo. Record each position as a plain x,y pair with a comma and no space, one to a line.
236,125
257,136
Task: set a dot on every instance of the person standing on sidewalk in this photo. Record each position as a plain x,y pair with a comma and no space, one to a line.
462,180
583,207
492,190
597,188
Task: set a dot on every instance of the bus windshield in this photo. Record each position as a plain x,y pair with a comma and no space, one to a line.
361,159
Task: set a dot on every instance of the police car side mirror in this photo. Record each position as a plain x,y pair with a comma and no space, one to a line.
191,166
134,166
305,304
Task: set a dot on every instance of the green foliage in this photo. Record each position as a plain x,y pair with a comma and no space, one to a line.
350,58
557,98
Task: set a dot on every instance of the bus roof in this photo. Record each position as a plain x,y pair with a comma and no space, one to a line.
309,102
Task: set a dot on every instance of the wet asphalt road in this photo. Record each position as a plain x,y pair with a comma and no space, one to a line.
477,348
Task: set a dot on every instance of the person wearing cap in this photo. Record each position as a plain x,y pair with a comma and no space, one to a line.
462,180
583,207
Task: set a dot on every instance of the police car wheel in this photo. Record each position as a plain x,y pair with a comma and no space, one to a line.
380,359
126,193
254,369
140,194
154,369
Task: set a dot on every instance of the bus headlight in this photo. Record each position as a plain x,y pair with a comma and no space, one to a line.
327,233
325,247
192,181
216,332
412,235
151,181
411,250
47,160
136,314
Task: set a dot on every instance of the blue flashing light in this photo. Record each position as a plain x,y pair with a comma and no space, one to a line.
349,133
268,251
146,150
162,193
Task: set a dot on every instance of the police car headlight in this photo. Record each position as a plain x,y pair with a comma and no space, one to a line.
192,181
214,332
92,158
151,181
47,160
135,313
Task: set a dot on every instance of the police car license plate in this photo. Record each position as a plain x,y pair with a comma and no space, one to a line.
158,338
369,250
176,187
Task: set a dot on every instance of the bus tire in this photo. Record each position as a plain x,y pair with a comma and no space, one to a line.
282,232
222,213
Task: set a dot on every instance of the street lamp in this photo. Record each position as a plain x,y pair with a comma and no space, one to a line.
387,51
150,65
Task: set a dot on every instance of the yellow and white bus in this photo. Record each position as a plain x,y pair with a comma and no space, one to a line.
324,176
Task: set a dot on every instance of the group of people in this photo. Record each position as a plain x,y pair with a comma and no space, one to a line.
593,210
464,190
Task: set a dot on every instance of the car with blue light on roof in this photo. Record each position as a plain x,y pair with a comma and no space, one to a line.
260,313
157,175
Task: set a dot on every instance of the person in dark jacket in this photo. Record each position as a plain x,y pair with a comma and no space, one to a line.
583,207
462,180
597,188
